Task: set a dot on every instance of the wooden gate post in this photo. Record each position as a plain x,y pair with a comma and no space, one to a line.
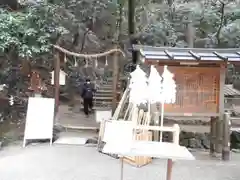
221,108
56,81
226,137
115,81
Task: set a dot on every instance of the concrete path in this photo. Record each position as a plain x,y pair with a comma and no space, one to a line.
75,119
43,162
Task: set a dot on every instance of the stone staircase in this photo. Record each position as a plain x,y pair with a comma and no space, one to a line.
104,95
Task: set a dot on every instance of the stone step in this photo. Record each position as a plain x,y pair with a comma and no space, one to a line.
107,87
102,102
103,95
101,106
104,91
102,98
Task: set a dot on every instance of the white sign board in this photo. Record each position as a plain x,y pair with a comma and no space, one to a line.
39,120
62,77
118,133
103,115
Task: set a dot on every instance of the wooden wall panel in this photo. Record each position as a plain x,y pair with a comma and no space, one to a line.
197,89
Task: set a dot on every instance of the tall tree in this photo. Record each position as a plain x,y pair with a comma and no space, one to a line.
131,27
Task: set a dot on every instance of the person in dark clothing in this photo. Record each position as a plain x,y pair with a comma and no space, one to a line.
87,95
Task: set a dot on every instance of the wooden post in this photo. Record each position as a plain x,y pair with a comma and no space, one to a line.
56,82
115,81
169,169
226,137
219,134
212,135
221,109
156,134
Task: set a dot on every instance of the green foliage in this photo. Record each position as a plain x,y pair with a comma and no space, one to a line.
30,31
93,24
215,25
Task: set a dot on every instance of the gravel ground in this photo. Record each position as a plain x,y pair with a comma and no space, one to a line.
43,162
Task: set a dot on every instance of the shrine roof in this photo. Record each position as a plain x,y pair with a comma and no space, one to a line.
188,54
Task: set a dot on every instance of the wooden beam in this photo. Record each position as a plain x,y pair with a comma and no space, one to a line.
169,54
220,56
196,56
221,110
238,53
169,169
191,114
174,128
222,84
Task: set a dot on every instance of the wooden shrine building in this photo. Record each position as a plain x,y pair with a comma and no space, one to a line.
200,78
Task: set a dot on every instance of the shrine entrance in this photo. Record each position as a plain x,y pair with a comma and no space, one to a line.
103,70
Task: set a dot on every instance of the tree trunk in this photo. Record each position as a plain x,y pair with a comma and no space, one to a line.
131,27
190,35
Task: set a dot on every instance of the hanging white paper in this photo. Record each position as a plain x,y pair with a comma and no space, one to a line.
62,77
154,86
138,87
168,92
169,87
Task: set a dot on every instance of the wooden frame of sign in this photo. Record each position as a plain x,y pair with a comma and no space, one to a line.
39,120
